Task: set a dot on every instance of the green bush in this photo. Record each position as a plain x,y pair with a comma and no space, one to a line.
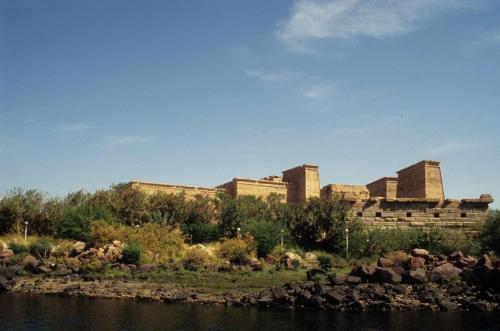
325,262
40,248
490,234
131,254
201,232
75,221
195,258
266,236
236,250
18,248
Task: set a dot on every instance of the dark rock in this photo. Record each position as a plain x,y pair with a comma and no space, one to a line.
469,275
480,306
334,297
416,276
456,290
493,278
30,263
447,305
279,294
316,301
444,273
455,256
43,269
3,283
365,272
353,280
465,262
388,275
62,272
484,260
318,289
337,280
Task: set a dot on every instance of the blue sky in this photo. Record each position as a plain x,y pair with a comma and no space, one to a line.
97,92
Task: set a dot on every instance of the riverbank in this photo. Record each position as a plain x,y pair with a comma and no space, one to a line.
419,281
299,295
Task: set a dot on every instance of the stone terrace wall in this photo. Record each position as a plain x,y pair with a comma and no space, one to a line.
406,213
190,191
258,188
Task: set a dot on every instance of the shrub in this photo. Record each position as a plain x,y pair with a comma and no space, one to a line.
162,242
195,258
201,232
102,233
236,250
30,206
131,254
266,235
18,248
321,224
40,248
325,262
92,267
490,235
75,221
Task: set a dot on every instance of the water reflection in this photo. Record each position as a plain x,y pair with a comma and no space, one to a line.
23,312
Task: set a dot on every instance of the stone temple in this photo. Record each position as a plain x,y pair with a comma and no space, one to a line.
415,197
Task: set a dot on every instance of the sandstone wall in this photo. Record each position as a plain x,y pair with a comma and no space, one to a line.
421,180
190,191
303,183
258,188
406,213
346,192
384,187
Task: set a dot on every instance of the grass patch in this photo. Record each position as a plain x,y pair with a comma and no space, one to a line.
226,281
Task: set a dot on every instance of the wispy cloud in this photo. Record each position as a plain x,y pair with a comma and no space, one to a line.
450,148
127,140
370,125
318,91
485,39
73,128
29,120
351,19
280,75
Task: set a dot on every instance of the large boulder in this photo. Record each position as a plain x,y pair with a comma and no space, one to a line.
30,263
334,297
420,252
364,271
279,294
78,248
6,255
255,264
388,275
414,263
385,262
444,273
288,259
466,261
147,267
416,276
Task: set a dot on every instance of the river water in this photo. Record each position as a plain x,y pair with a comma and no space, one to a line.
25,312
